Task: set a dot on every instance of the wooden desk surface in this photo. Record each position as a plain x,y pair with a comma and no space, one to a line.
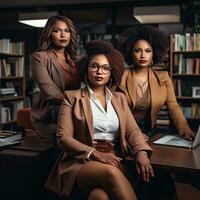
175,158
30,145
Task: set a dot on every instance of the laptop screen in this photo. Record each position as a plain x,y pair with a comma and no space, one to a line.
197,138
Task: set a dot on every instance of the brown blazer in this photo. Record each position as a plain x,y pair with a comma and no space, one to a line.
52,80
162,92
75,136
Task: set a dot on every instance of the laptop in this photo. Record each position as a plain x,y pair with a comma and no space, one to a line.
174,140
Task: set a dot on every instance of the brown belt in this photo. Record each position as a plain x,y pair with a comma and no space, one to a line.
104,146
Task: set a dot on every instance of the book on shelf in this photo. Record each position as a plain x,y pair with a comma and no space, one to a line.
5,115
12,66
9,137
182,88
7,91
195,110
186,42
9,111
6,46
183,65
187,111
192,112
176,89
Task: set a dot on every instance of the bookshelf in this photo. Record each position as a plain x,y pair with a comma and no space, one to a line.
12,81
83,39
185,73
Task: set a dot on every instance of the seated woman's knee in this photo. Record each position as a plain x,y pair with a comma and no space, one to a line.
98,194
111,174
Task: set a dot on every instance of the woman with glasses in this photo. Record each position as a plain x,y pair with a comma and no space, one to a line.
96,132
54,71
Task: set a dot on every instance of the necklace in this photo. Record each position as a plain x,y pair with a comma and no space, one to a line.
143,85
141,82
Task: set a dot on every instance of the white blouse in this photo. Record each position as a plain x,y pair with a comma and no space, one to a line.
105,123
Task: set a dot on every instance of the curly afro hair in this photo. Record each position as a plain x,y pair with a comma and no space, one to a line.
157,39
115,59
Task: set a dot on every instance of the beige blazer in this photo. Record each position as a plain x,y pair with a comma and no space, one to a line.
75,136
52,81
162,92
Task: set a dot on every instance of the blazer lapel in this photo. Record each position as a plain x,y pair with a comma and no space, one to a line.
119,114
87,111
130,86
155,93
53,57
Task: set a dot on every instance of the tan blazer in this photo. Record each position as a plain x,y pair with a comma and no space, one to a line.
52,80
162,92
75,136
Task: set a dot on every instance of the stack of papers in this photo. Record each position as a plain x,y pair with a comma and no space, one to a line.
9,137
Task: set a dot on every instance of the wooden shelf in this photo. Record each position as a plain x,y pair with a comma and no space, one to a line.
185,75
187,52
185,61
188,98
193,119
2,54
11,98
8,123
12,77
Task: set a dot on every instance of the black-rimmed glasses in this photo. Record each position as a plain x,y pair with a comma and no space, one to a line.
105,69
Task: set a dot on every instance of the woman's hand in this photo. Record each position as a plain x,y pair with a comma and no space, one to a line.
143,166
107,158
188,135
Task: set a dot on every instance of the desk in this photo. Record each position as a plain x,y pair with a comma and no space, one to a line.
175,158
24,169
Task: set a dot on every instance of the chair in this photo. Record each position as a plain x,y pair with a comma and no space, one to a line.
23,120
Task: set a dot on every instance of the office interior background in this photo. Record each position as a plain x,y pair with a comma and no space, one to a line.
102,19
97,19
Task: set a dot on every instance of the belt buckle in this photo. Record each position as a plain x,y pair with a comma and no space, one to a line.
103,146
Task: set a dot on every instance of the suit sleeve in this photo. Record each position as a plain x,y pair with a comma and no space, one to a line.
133,133
174,109
65,132
48,88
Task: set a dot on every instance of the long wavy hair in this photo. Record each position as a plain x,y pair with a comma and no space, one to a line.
45,38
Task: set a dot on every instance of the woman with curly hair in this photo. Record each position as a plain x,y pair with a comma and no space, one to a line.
54,71
96,132
148,90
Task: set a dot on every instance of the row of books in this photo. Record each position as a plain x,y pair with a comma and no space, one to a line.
184,88
9,111
186,42
12,67
192,112
6,46
186,65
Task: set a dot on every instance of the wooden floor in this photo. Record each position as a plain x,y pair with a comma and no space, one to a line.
187,192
